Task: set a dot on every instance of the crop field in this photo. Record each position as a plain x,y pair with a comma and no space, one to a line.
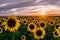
30,28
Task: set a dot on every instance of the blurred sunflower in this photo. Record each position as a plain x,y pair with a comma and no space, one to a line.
23,37
43,24
57,19
0,23
31,27
11,24
29,19
57,26
51,22
33,19
1,30
25,21
56,33
39,33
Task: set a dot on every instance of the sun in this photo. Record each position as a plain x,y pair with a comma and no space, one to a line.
43,13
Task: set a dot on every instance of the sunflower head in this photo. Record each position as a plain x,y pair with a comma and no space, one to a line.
57,26
39,33
2,20
56,33
31,27
25,21
23,37
43,24
1,30
51,22
57,19
11,24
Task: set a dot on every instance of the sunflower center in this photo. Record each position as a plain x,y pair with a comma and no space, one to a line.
56,33
57,26
0,29
39,32
42,24
56,19
0,23
24,21
51,22
31,26
2,20
11,22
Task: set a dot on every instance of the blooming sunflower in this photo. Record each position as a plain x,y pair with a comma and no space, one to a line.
39,33
33,19
57,19
31,27
29,19
57,26
43,24
56,33
1,30
23,37
11,24
25,21
51,22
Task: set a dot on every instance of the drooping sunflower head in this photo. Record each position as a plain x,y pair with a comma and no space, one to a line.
56,33
43,24
31,27
1,30
23,37
39,33
12,23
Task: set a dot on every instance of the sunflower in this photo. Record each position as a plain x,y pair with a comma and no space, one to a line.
23,37
29,19
1,30
57,26
1,23
11,24
33,20
51,22
43,24
56,33
39,33
57,19
25,21
2,20
31,27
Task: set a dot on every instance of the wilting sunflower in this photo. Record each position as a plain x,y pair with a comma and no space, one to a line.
1,30
31,27
11,24
56,33
39,33
23,37
43,24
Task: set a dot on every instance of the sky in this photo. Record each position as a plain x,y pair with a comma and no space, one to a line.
7,6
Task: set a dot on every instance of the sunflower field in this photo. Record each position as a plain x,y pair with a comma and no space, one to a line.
30,28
